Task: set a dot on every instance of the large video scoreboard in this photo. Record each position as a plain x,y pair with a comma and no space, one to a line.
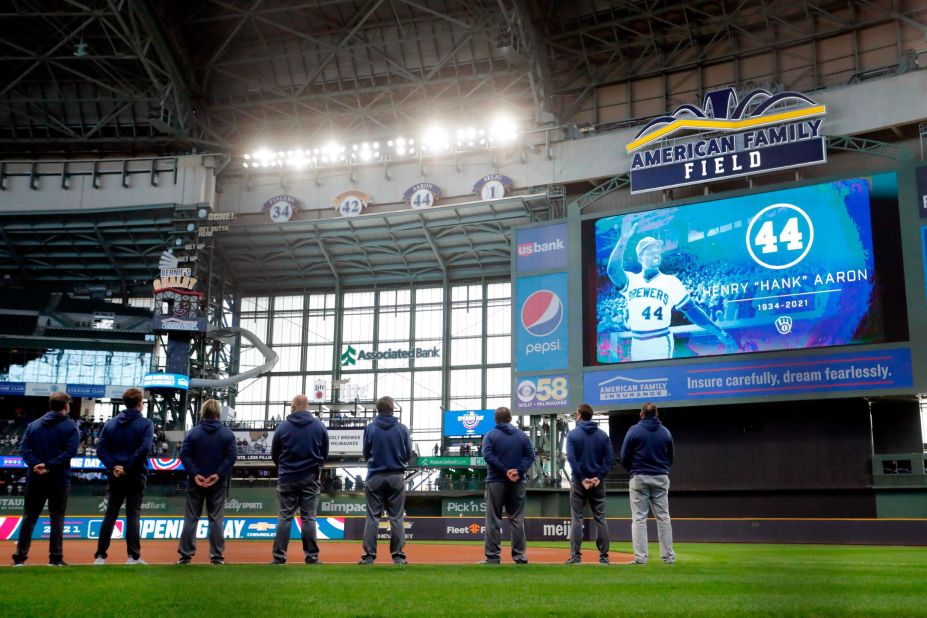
789,292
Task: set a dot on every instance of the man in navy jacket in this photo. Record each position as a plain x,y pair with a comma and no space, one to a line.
387,449
509,455
299,448
47,448
208,454
590,453
647,454
123,448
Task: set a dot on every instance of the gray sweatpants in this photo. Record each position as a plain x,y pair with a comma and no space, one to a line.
650,492
512,497
214,500
595,497
302,495
385,492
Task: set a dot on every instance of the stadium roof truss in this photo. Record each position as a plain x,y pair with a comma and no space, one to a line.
170,76
86,249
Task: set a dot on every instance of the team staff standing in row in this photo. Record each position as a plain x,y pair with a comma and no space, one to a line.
299,448
590,453
387,449
509,454
47,448
208,454
124,445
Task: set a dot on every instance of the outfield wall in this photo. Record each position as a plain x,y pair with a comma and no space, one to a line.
547,529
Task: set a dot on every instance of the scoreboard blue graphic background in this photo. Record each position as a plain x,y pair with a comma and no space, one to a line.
788,269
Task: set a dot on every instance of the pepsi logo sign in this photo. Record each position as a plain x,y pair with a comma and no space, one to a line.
542,313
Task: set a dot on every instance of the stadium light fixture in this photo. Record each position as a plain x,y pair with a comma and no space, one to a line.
436,140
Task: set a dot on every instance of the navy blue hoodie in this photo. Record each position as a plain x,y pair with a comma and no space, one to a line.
647,448
51,440
209,449
300,447
126,441
589,451
505,448
387,445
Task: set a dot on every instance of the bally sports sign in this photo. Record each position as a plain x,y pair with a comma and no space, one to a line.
761,132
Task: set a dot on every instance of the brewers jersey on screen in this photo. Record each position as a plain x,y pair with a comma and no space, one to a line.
649,311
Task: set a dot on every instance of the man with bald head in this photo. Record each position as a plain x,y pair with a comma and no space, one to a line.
299,448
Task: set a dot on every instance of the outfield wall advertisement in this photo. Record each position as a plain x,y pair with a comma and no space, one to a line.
750,378
171,527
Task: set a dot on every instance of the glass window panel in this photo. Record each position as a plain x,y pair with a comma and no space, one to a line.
253,390
320,328
427,416
429,295
319,357
288,303
467,351
466,383
322,301
466,403
498,382
467,292
361,387
397,385
429,322
258,326
394,325
289,358
497,402
502,289
426,441
498,350
466,322
284,388
255,303
426,384
250,358
499,319
358,299
249,412
288,329
358,326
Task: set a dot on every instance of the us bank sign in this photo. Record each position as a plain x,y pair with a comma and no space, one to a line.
760,133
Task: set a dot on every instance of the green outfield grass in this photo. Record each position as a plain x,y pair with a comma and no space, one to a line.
707,580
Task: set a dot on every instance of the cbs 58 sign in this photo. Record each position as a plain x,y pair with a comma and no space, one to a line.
539,392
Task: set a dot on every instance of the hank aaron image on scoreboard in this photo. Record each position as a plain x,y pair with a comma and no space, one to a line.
651,298
788,269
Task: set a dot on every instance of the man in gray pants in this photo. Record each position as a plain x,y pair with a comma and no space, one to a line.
387,449
590,453
208,454
647,454
299,448
509,455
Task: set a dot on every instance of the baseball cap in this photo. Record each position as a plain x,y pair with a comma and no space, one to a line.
645,242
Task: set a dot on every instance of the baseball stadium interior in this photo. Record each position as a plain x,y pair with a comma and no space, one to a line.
450,203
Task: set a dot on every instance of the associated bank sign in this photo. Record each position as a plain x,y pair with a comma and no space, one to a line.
350,356
762,132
